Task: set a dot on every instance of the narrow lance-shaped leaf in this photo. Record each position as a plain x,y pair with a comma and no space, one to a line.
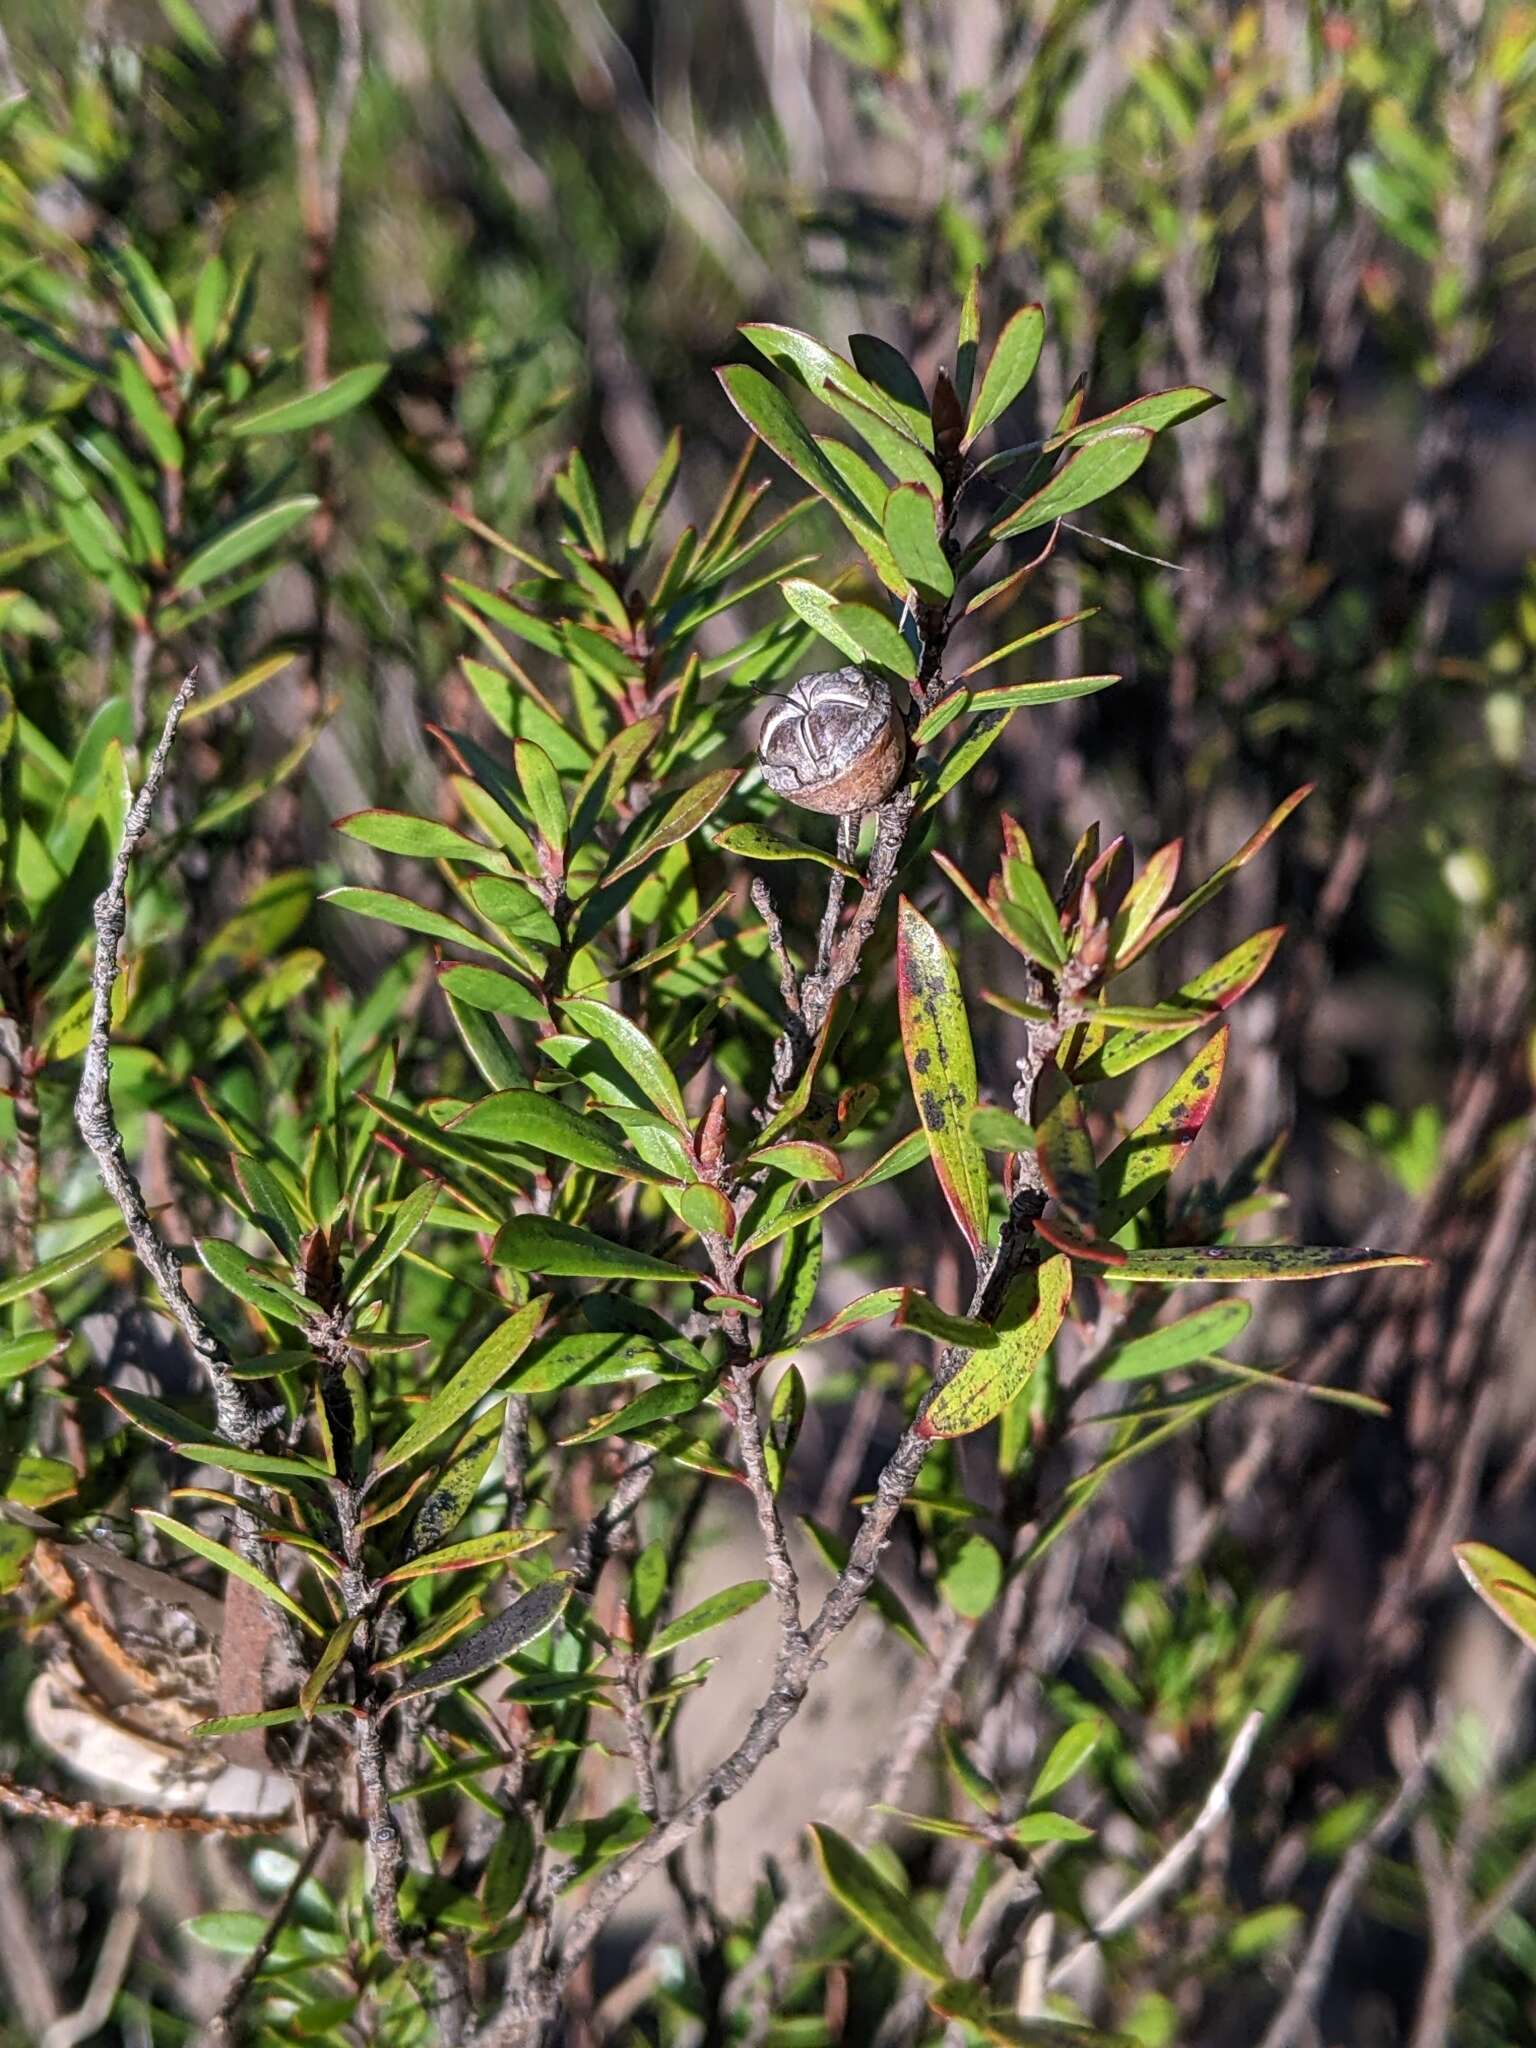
634,1052
1181,1265
911,528
513,1629
1508,1588
327,1664
523,1116
1197,1335
310,408
61,1265
1105,1054
1009,370
857,630
1142,1164
422,838
1170,920
936,1038
1090,472
1065,1150
250,536
405,915
719,1607
229,1561
871,1899
683,816
469,1385
989,1380
758,842
968,341
903,1155
543,1244
1156,409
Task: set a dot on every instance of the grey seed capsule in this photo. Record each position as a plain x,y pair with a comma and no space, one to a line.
837,743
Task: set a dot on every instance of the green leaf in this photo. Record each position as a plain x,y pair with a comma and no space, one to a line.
1223,1263
469,1385
1158,409
682,817
51,1271
406,916
769,415
999,1130
757,842
832,378
903,1155
540,1244
917,1312
1048,690
972,1579
1035,1829
311,408
149,415
1142,1164
719,1607
857,630
522,1116
255,1283
21,1354
513,1629
1011,366
250,536
897,387
989,1380
973,1782
1045,632
1508,1588
516,913
1091,471
469,1554
936,1038
488,988
1106,1054
327,1664
1065,1150
540,783
968,340
376,1258
228,1561
1196,1335
652,501
871,1899
912,529
423,838
1171,920
967,2004
786,1414
634,1052
1068,1755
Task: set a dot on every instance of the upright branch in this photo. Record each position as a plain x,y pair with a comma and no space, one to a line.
239,1420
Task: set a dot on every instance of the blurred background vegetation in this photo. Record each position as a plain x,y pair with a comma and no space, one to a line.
540,225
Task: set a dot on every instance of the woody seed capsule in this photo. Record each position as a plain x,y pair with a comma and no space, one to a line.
836,744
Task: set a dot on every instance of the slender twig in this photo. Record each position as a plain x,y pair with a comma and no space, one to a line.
238,1419
217,2031
1169,1868
113,1956
1300,2004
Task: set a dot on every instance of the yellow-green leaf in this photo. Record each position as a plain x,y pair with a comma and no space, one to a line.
941,1064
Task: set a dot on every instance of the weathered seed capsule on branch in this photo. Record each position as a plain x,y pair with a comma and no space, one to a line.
837,743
